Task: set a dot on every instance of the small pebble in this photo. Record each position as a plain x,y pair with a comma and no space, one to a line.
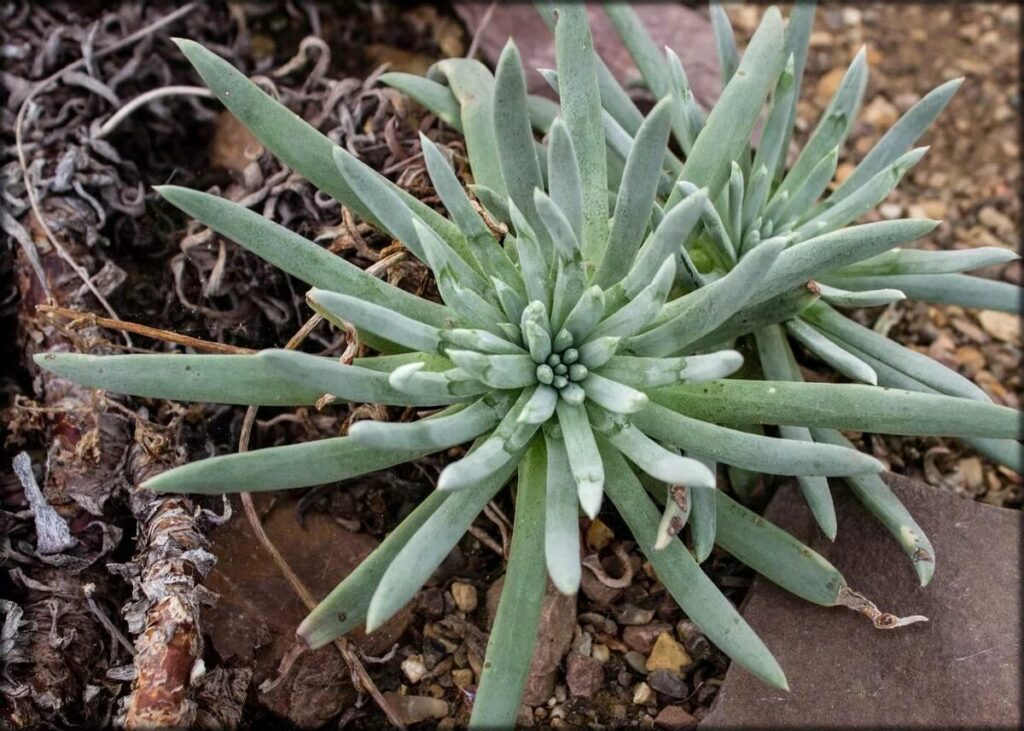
601,652
414,668
643,695
465,596
462,678
636,662
667,655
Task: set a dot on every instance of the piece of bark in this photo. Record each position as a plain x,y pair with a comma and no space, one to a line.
685,30
960,669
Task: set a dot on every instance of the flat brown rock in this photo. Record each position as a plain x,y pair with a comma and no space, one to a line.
685,30
962,668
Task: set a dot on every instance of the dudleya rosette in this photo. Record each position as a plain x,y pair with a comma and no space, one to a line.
571,348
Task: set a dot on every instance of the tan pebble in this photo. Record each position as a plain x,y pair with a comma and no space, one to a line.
828,84
972,474
642,694
1001,325
414,668
465,596
599,535
667,655
880,113
462,678
600,652
844,171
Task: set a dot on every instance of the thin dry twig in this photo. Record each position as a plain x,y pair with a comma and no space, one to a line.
19,128
142,99
350,657
169,336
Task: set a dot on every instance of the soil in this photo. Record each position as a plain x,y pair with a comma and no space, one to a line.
70,668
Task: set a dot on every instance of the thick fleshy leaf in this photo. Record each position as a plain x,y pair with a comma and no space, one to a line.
772,311
770,149
297,255
834,125
917,365
497,371
946,289
727,131
428,546
510,645
725,41
580,97
776,555
778,364
561,522
489,258
687,115
867,298
642,309
839,406
224,379
519,166
899,138
751,451
494,452
636,196
436,97
641,47
473,86
431,386
564,177
381,321
810,259
612,395
842,360
585,314
692,316
345,607
803,196
687,584
660,463
561,232
280,468
798,41
1003,451
918,261
652,372
665,240
351,382
295,142
441,431
830,215
703,516
876,496
584,459
714,226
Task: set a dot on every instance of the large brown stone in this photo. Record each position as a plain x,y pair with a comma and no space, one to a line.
253,622
962,668
685,30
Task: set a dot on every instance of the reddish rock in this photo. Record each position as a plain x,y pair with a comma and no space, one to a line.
584,675
642,638
554,637
253,623
961,668
674,718
685,30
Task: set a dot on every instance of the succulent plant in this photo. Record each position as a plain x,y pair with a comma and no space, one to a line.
752,200
570,349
